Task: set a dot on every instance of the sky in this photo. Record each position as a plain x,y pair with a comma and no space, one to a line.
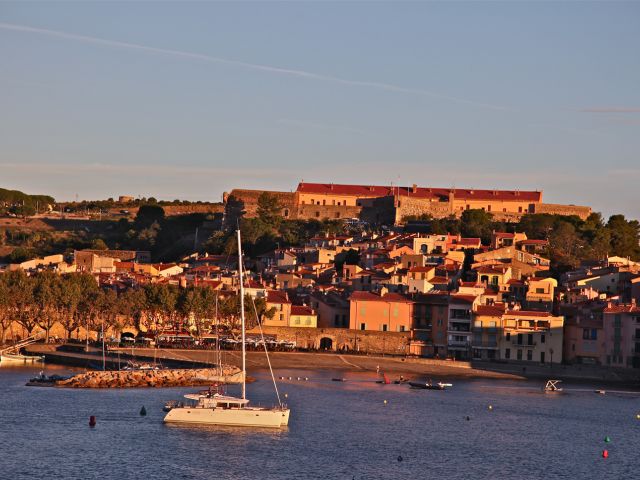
188,100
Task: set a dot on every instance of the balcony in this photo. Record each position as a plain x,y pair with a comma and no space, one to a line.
459,343
485,345
460,329
523,344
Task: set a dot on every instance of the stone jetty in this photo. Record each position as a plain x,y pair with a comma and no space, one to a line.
152,378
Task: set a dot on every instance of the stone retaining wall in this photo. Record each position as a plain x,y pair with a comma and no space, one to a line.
152,378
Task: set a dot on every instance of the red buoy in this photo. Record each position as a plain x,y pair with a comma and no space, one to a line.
92,421
605,454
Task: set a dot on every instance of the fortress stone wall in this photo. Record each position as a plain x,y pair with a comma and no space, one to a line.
375,205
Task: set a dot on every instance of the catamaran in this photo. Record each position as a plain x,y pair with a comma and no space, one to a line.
214,408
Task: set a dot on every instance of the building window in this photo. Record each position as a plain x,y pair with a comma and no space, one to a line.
508,336
507,353
529,355
519,354
337,214
519,209
363,326
324,202
542,339
286,212
317,214
488,208
385,327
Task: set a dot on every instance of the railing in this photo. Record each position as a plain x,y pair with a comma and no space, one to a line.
523,344
484,344
459,343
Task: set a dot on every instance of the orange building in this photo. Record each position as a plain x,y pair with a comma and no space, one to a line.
391,312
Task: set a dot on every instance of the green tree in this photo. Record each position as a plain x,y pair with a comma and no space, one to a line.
624,236
149,214
565,247
99,244
269,210
476,223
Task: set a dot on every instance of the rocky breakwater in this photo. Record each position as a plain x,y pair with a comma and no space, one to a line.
152,378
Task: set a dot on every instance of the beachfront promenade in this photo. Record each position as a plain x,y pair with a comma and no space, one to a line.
393,366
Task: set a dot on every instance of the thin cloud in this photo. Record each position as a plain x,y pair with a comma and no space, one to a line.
169,171
252,66
611,110
319,126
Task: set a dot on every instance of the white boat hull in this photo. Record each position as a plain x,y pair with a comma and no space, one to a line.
232,417
19,359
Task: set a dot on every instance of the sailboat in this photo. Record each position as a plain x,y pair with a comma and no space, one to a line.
214,408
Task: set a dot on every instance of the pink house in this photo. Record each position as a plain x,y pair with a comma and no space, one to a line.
622,335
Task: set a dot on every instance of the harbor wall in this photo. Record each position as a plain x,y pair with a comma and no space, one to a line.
343,339
152,378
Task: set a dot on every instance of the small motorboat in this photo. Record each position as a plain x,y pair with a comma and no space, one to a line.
430,385
552,386
171,404
43,380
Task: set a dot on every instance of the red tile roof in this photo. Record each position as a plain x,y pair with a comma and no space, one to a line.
491,310
368,191
276,296
301,310
528,313
627,308
463,298
427,268
439,280
533,242
372,297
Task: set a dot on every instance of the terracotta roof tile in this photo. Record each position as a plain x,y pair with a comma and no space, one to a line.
368,191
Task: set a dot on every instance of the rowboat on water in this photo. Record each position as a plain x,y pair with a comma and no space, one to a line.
430,385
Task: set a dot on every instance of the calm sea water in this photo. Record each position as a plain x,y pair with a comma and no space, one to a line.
337,430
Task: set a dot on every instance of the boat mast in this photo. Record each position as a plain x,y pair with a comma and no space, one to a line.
244,368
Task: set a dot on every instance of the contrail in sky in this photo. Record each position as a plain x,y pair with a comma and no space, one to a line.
252,66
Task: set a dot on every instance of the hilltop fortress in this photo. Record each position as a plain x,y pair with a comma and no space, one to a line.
390,204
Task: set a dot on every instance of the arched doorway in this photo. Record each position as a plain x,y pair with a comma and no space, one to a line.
326,343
